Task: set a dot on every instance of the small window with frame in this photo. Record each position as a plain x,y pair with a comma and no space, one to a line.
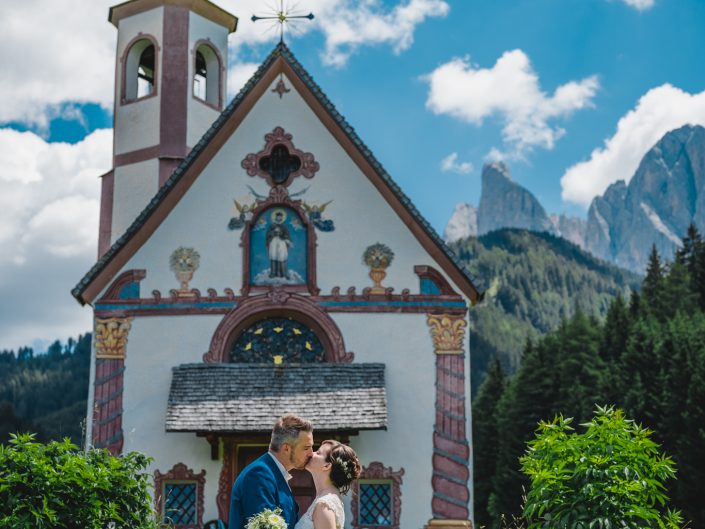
179,498
376,502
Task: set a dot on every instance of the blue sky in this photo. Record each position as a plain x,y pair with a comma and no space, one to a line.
570,93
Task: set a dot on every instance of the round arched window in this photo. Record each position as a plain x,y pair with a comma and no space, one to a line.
286,337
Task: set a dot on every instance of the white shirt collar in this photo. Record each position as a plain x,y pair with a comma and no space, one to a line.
283,470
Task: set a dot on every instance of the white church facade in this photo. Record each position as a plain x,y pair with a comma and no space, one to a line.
256,259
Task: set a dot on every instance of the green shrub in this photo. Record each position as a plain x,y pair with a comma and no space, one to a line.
57,486
610,476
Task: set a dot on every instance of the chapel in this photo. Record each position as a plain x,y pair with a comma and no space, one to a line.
256,259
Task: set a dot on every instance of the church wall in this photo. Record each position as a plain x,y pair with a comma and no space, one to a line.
139,119
135,185
402,342
201,115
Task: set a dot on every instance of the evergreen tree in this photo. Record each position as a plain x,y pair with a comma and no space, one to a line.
653,282
485,438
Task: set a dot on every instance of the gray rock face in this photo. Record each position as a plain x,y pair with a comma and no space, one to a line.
570,228
505,204
665,195
462,223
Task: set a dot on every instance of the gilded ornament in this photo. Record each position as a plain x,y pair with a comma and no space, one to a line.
184,262
447,332
378,257
111,337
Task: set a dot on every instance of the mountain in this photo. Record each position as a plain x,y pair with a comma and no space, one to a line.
532,282
573,229
665,195
462,223
505,204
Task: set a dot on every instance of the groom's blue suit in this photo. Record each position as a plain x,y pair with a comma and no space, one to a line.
260,486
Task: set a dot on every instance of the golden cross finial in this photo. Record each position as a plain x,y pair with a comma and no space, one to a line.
282,16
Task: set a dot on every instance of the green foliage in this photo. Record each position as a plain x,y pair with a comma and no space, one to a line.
45,393
647,357
56,486
611,475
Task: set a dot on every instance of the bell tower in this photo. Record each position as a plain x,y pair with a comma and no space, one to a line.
170,85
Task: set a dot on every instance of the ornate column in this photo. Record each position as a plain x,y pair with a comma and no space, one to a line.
110,342
451,450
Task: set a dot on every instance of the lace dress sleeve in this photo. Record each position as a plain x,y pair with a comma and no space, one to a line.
336,505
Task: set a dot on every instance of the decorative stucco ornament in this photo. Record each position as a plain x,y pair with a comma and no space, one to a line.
184,262
447,332
378,257
111,337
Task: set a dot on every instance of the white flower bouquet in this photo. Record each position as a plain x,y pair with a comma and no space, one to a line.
267,519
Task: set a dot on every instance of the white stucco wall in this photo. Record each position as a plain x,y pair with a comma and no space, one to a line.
135,185
362,217
137,122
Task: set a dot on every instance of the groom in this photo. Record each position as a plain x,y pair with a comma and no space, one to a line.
263,483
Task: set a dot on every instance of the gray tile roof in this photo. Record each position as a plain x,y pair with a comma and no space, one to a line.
250,397
281,50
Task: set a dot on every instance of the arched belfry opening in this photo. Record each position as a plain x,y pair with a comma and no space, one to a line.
139,74
206,75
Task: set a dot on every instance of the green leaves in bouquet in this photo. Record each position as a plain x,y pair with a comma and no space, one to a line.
611,475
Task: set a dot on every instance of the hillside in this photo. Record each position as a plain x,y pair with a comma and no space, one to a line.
533,281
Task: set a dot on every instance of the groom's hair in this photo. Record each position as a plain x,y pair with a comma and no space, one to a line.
287,430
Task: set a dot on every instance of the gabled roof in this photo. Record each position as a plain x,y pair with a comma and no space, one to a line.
280,60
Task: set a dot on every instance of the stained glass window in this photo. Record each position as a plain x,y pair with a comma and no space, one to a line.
180,503
280,164
375,503
286,337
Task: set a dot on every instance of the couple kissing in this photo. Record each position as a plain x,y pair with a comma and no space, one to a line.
262,485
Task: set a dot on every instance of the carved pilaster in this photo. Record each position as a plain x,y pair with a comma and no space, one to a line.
111,337
448,333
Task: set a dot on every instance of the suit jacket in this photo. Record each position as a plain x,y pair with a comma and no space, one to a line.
260,486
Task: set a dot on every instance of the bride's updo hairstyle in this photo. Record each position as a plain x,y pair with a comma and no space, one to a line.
345,466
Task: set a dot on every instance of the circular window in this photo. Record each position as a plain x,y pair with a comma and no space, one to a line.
285,337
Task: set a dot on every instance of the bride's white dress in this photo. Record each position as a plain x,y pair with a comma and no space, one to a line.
330,500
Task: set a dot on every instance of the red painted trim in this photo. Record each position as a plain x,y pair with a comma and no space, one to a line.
221,73
226,479
279,197
180,472
130,276
430,273
107,405
172,115
377,471
123,61
309,165
107,192
201,7
451,450
277,303
136,156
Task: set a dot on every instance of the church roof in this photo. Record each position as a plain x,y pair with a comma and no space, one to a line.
249,397
280,60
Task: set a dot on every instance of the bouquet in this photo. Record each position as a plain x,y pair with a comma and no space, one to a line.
267,519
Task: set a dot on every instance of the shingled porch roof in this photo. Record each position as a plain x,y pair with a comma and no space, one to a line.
239,398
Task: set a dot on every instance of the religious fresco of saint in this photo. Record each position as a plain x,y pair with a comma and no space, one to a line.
278,245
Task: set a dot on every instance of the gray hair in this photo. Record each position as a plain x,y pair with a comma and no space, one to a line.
287,430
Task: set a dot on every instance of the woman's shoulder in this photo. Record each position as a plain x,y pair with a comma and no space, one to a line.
335,504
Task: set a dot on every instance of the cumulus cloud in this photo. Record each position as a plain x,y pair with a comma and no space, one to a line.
660,110
346,25
54,52
49,203
509,91
450,164
238,75
641,5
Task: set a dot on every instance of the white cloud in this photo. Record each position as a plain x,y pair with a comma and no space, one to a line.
238,75
510,91
641,5
54,52
658,111
450,164
49,202
346,25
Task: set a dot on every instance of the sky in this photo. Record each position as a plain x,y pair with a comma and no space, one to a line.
569,93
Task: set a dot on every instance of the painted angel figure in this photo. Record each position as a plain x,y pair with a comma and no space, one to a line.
315,213
245,214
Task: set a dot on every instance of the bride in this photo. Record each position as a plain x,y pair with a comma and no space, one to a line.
334,467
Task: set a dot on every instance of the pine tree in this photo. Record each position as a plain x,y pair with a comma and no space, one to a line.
653,283
485,439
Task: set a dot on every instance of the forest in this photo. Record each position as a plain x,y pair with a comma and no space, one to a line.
647,356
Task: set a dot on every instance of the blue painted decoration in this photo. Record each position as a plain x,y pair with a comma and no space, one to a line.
278,248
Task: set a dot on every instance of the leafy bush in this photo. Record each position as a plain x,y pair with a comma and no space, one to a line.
59,487
610,476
